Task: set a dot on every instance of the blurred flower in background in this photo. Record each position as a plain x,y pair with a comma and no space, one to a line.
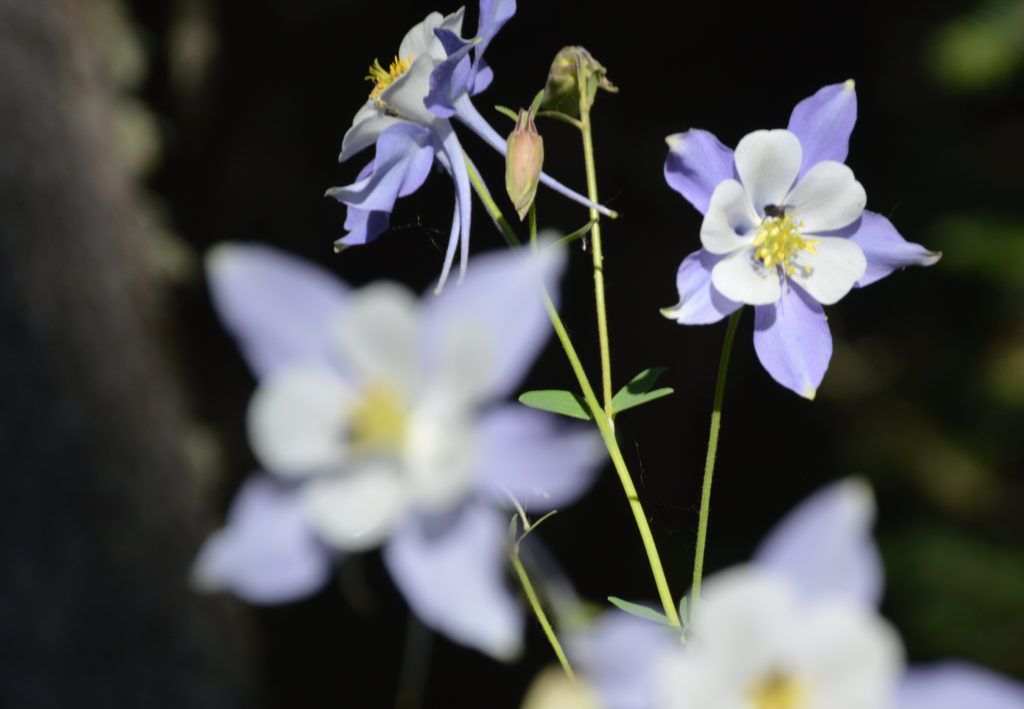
378,417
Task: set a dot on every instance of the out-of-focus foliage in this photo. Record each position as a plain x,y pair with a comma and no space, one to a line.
980,50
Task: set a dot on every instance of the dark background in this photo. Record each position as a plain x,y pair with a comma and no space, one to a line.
136,135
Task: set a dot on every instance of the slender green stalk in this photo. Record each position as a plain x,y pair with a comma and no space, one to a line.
538,611
598,255
597,412
709,463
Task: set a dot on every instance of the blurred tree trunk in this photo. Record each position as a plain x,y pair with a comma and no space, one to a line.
99,517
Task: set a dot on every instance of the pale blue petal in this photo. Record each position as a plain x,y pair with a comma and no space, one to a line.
696,163
823,123
620,653
467,113
453,578
958,685
363,226
537,458
498,308
884,248
404,156
267,552
456,163
700,303
824,545
493,16
449,78
277,307
792,340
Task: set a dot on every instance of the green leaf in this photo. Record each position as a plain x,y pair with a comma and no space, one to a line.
640,611
507,111
683,616
558,401
638,390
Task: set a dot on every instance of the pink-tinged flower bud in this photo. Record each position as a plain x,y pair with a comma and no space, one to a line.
574,67
524,162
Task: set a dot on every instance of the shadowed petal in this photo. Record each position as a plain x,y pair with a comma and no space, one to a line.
539,459
884,248
493,324
823,123
450,78
454,579
367,125
456,164
404,156
696,163
767,162
277,307
363,226
958,685
493,16
792,340
699,302
267,552
824,545
730,221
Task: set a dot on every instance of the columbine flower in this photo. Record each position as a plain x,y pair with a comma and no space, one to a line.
784,230
794,629
377,418
430,80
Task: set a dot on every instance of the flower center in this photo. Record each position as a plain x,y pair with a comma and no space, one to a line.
377,422
779,241
383,78
777,691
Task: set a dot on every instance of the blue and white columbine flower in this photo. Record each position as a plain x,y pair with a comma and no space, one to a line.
379,419
407,117
794,629
784,230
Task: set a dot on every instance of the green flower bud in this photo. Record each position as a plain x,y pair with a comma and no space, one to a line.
523,162
574,67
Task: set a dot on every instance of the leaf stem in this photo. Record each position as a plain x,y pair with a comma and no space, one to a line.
538,611
709,463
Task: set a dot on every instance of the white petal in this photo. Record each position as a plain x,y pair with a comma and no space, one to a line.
768,162
357,510
743,278
836,266
730,221
440,453
377,336
420,37
368,124
296,419
407,92
829,197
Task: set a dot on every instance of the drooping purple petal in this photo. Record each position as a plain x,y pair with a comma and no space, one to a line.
266,553
493,16
498,312
620,654
884,248
825,547
542,461
700,303
823,123
277,307
467,113
792,340
696,163
453,579
450,78
456,163
363,226
957,685
404,156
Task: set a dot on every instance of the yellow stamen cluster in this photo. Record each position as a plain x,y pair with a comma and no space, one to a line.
778,242
778,691
377,422
383,78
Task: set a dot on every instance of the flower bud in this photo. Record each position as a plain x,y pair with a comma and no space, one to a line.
523,162
571,68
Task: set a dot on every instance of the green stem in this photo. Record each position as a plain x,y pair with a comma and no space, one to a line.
531,595
595,236
597,413
709,463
